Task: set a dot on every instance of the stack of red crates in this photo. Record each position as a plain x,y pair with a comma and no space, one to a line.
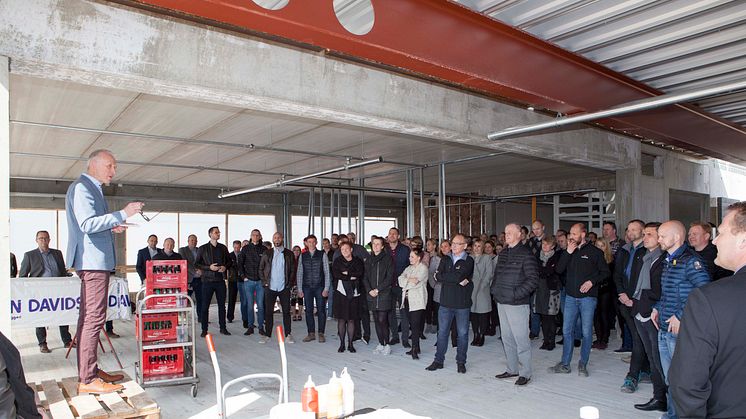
164,278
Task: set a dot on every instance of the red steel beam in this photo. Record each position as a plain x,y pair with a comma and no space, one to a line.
447,42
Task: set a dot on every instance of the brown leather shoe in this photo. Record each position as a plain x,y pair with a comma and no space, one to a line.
43,348
322,338
109,378
98,386
113,335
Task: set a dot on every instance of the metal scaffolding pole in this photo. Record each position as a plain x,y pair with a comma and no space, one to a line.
442,201
311,194
321,214
331,213
410,202
361,214
285,216
349,208
339,211
422,204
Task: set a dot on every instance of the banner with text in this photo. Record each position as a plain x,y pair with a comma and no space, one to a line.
38,302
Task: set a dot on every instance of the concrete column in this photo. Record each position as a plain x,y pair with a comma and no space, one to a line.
5,195
361,214
628,197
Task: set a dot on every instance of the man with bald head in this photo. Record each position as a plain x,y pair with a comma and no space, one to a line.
709,369
585,268
683,271
90,251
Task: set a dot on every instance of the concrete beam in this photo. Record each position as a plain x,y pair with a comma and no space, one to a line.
63,39
601,183
5,195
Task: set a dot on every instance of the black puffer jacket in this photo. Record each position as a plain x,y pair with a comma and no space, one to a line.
248,261
548,281
378,276
516,275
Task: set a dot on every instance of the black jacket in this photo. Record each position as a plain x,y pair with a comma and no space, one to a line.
584,264
248,261
452,293
709,253
164,256
351,273
709,367
378,276
204,260
265,267
648,298
624,284
516,275
548,281
24,395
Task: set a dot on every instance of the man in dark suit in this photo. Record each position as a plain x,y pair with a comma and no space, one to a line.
45,262
194,274
233,281
145,254
708,368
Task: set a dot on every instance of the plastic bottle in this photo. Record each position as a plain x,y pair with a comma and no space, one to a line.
348,392
309,398
335,404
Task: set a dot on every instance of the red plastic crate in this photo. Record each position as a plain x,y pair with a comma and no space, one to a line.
157,326
162,361
165,274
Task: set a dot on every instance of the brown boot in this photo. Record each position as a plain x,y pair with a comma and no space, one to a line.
322,338
311,336
98,386
109,378
43,348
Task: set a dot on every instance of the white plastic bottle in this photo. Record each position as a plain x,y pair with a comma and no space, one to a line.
348,392
335,405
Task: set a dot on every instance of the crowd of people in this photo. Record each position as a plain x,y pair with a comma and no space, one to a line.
519,285
672,295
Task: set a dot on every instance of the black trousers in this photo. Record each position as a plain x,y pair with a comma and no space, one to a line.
431,312
109,327
548,328
649,337
41,334
382,326
196,292
603,318
479,323
208,289
639,361
416,323
493,319
396,294
364,322
232,293
269,308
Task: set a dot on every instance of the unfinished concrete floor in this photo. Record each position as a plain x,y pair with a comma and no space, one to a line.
394,381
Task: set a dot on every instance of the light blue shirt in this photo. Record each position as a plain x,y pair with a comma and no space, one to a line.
95,182
49,262
458,258
277,278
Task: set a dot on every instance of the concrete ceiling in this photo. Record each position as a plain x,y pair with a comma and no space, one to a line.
207,145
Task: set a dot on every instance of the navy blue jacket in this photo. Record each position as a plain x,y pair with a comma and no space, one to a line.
400,261
683,271
450,276
143,255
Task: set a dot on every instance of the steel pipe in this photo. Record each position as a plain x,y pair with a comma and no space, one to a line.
283,182
410,202
361,213
422,204
635,106
442,201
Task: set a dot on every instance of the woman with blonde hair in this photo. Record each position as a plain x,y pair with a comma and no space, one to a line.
413,282
603,319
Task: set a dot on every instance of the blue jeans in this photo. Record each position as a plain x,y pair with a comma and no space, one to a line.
666,347
329,301
445,317
535,324
311,294
583,307
247,289
578,326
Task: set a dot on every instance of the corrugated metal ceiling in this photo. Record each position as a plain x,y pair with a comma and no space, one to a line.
672,45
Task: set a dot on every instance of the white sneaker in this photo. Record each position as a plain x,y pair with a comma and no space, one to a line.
386,350
289,339
378,349
263,339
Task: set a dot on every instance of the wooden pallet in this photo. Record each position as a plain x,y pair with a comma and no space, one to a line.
63,402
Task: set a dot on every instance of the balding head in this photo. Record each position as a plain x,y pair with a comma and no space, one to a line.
512,234
102,166
671,235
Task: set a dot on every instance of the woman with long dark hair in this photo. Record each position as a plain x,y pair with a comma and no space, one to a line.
377,281
414,296
347,271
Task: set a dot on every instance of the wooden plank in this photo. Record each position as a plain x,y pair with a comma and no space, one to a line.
86,406
115,403
137,397
57,404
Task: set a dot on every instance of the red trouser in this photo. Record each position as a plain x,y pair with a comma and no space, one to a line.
94,291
